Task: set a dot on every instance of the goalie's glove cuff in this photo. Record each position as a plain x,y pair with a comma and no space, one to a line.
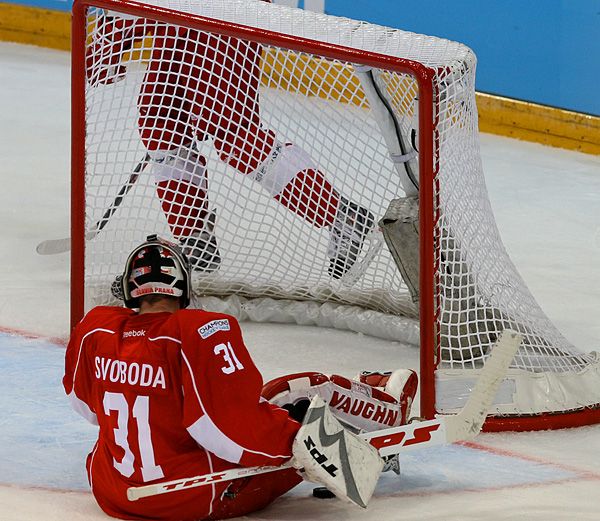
297,411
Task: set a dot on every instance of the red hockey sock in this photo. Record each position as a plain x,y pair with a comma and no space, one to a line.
311,196
245,150
185,206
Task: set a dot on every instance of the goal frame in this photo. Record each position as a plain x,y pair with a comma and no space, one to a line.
423,75
428,163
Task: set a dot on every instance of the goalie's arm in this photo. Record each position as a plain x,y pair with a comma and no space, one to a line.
221,387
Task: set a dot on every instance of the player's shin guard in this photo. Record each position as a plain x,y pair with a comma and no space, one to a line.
293,179
310,195
184,205
181,184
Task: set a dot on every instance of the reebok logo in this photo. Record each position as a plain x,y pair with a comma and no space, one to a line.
213,327
133,333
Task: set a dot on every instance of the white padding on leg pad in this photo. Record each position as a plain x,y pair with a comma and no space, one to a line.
397,381
299,384
180,164
284,163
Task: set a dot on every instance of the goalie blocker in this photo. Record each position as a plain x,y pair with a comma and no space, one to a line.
329,454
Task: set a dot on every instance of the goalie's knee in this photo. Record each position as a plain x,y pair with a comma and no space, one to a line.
289,384
293,392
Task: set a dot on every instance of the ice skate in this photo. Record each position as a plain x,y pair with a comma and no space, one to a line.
201,247
351,226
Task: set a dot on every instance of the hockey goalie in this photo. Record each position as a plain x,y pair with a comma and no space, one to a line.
175,394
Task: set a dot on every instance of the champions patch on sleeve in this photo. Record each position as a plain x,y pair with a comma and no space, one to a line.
213,326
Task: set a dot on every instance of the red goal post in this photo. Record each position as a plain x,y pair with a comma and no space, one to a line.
460,311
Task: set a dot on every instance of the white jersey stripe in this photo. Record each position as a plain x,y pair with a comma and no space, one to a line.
78,405
90,478
213,486
221,441
207,434
164,338
82,408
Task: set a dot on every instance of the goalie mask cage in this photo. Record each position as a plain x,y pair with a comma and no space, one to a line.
274,261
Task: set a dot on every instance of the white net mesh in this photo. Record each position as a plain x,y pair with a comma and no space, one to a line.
270,167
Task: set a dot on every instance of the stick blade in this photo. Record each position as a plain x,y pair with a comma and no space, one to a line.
54,246
468,423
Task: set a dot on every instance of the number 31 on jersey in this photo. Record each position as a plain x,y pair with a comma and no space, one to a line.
228,354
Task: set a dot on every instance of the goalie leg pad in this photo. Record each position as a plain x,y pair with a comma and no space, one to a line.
334,457
400,227
359,406
401,385
295,391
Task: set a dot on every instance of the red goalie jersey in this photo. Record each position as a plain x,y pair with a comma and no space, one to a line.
175,395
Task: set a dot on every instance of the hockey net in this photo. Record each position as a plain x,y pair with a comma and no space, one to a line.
275,259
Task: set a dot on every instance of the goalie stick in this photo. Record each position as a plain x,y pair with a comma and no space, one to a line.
54,246
421,434
401,144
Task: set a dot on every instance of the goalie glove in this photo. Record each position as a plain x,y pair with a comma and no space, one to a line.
329,454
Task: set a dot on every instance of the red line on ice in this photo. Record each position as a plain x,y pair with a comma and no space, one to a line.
26,334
